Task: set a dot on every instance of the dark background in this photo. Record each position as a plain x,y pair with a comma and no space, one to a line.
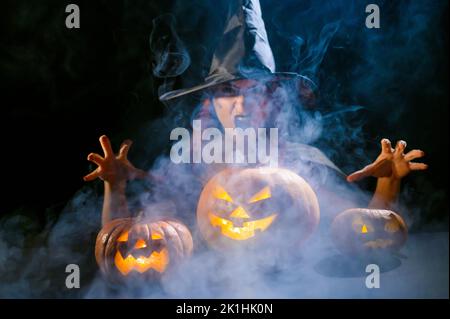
63,88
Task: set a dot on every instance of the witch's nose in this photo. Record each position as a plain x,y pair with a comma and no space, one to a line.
239,108
239,213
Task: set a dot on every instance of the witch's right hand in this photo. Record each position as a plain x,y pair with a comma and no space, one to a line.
112,168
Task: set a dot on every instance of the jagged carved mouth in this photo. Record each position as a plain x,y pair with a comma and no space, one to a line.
379,243
244,232
157,261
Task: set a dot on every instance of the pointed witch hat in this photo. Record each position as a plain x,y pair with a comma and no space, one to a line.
243,53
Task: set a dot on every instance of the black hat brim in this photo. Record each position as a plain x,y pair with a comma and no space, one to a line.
273,77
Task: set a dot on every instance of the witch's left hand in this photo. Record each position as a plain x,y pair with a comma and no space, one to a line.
391,163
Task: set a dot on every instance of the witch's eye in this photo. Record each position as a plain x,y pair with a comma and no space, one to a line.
226,91
256,91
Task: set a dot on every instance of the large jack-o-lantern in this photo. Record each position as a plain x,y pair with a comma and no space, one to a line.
361,231
132,247
240,206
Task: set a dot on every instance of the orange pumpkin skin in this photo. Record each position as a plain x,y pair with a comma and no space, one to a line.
141,249
365,231
256,207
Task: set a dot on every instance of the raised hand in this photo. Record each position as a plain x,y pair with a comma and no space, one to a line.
393,163
113,168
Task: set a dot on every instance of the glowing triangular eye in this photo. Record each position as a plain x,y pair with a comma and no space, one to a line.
364,229
123,237
156,236
262,194
391,227
220,193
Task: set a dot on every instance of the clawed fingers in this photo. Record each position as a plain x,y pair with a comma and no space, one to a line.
356,176
417,166
386,147
91,176
95,158
124,148
112,168
391,162
379,168
106,146
399,148
411,155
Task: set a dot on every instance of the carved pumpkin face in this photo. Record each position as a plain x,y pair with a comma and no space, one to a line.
242,205
368,230
128,247
140,249
237,223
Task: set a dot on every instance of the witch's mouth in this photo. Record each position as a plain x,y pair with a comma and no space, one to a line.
246,231
242,121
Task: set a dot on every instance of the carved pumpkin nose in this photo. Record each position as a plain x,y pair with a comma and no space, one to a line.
239,213
140,244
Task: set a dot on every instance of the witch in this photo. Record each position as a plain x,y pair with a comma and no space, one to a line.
244,90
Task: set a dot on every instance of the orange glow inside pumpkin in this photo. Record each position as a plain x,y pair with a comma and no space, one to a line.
140,244
220,193
240,233
364,229
248,228
261,195
157,260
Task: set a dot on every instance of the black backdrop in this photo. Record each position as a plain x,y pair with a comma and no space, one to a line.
62,89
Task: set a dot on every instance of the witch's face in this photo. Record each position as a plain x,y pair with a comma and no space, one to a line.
240,104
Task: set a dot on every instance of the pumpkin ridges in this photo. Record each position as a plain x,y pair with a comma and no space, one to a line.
348,241
110,248
106,249
155,226
304,210
186,239
141,230
162,228
173,238
101,242
149,230
289,179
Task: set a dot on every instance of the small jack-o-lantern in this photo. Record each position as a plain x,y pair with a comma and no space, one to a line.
361,230
239,206
129,246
